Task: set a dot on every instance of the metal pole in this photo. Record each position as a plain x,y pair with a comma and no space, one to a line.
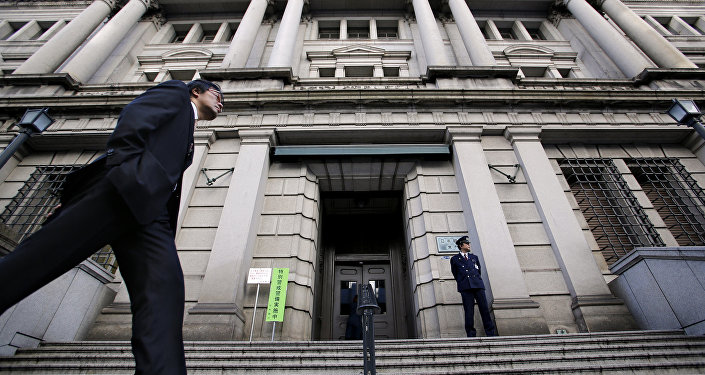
14,145
273,326
368,338
254,313
698,126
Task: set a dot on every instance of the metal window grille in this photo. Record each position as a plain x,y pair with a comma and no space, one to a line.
675,195
614,216
36,200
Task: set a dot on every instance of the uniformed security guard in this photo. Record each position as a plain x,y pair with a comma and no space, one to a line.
467,272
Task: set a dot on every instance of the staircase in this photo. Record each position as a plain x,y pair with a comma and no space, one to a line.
637,352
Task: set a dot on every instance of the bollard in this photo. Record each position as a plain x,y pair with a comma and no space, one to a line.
367,303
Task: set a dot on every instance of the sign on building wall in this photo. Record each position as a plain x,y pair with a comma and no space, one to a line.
446,244
259,275
277,295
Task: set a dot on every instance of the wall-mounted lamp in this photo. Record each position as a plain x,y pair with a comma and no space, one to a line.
686,112
33,121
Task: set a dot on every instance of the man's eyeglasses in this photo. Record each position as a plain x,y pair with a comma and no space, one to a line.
217,94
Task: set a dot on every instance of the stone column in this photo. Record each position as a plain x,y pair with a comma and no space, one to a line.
373,29
343,29
514,310
474,41
202,143
660,50
430,35
627,58
594,306
57,49
245,35
223,288
285,43
87,61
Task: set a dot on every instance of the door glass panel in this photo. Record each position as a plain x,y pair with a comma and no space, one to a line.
348,290
381,294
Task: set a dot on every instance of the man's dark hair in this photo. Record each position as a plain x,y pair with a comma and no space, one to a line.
201,85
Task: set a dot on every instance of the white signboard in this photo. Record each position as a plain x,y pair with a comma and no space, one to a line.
259,276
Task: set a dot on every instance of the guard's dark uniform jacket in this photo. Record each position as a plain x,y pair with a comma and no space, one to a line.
467,273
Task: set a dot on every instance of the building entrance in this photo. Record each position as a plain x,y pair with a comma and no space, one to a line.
347,278
362,242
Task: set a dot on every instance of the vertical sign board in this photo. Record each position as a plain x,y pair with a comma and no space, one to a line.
277,295
257,276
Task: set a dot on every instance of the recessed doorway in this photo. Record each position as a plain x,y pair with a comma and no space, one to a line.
363,242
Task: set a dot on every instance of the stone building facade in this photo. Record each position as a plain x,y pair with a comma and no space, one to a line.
359,138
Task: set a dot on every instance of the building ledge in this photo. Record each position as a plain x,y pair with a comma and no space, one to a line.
285,74
436,71
62,79
653,74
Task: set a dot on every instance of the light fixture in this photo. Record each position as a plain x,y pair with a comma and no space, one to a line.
38,120
686,112
33,121
683,111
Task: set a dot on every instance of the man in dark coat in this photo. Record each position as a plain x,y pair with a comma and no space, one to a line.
128,198
466,269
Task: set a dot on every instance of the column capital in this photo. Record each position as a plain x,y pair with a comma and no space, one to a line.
597,4
522,133
558,11
111,3
149,3
254,136
463,134
204,138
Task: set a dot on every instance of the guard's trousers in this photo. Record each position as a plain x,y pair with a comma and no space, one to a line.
469,297
148,262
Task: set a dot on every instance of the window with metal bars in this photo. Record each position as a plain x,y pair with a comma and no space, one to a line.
675,195
614,216
36,200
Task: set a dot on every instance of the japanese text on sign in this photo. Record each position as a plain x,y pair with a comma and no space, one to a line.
277,295
259,275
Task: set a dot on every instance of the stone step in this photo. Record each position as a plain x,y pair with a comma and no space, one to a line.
651,352
475,343
468,347
382,351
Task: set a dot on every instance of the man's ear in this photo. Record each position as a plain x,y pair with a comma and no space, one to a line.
195,93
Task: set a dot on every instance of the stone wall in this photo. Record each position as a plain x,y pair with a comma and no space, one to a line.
288,238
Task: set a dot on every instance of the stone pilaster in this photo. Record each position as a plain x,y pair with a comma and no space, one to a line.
594,306
514,310
219,314
202,143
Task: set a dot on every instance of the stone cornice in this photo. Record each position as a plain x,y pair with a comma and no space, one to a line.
107,97
40,3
